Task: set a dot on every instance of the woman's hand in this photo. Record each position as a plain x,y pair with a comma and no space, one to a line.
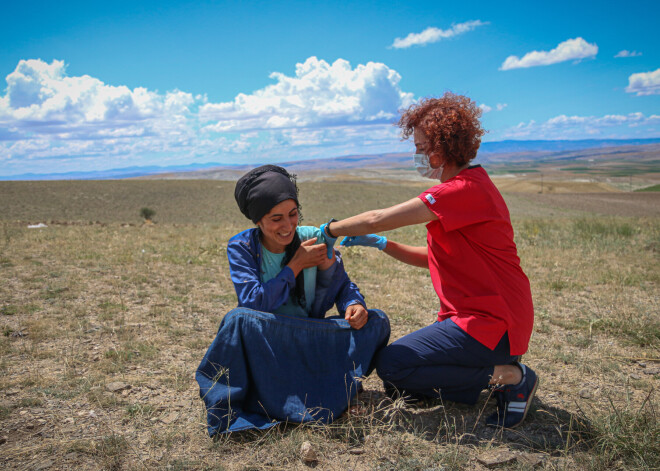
308,255
369,240
328,239
327,263
356,315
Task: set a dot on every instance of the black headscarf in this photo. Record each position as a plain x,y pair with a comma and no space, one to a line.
259,191
263,188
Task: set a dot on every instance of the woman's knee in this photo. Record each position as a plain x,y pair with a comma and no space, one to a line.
242,315
238,312
387,366
377,316
379,320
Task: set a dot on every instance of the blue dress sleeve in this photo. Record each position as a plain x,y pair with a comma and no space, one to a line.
245,270
333,286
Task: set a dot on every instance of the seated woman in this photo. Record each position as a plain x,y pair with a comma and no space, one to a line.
276,357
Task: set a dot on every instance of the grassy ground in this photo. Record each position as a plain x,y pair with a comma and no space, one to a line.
650,188
105,319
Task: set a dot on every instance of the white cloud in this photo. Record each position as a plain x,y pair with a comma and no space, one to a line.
320,94
644,83
581,127
571,49
50,121
487,109
42,99
625,53
432,34
350,137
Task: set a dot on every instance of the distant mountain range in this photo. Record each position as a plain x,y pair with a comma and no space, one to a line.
508,147
500,152
110,174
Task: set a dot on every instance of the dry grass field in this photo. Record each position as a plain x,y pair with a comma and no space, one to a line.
105,318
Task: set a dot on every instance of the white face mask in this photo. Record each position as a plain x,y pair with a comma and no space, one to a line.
421,162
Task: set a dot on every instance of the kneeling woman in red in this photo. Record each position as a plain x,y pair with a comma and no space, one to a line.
486,312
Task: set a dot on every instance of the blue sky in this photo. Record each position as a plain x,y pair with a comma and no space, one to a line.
100,85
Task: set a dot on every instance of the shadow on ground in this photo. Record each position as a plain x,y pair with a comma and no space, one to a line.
547,429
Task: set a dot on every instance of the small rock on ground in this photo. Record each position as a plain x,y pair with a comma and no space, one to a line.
117,386
586,394
308,453
531,459
492,458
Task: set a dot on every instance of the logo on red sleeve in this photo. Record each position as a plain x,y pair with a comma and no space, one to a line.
430,199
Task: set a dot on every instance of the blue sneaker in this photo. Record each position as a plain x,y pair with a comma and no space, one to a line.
513,401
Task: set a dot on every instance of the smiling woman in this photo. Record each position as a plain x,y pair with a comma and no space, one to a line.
276,357
279,225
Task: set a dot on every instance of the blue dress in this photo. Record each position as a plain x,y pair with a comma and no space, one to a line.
264,367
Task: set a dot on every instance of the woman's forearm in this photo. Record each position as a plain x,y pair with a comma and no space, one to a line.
417,256
411,212
361,224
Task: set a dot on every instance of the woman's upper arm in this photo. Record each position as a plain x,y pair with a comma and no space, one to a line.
251,292
308,232
243,271
410,212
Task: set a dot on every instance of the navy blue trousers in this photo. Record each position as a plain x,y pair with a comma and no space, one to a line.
440,360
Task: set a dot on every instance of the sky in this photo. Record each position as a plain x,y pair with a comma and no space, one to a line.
102,85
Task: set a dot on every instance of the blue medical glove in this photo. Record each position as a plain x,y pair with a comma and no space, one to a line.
328,239
369,240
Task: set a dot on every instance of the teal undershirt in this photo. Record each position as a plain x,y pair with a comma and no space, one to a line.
271,265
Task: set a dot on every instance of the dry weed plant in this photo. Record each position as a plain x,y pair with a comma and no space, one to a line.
104,321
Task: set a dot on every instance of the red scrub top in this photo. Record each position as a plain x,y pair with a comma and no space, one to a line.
474,263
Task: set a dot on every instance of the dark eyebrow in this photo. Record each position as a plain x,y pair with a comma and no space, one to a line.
282,214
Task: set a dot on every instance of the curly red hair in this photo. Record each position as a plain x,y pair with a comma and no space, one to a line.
450,123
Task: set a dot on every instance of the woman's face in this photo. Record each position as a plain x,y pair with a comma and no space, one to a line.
423,146
279,225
